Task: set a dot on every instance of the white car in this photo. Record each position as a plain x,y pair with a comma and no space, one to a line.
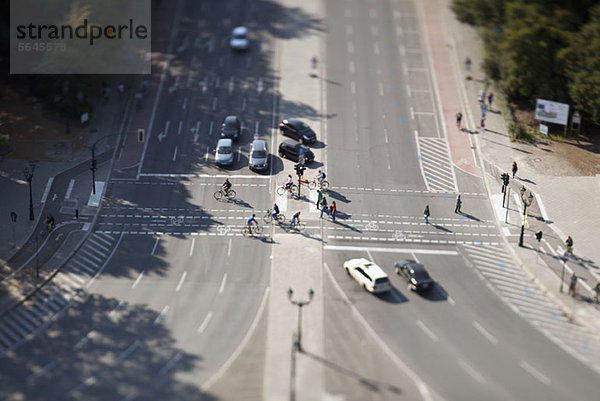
239,39
224,152
370,276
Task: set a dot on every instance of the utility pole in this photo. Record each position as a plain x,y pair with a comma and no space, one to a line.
28,174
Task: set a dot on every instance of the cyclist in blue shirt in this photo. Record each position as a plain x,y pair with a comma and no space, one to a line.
250,221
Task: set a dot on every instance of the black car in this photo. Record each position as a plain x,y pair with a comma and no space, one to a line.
291,150
297,130
415,274
231,128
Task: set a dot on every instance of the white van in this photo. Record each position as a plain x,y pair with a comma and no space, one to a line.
370,276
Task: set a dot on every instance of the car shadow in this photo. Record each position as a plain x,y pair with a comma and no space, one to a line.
393,296
317,144
436,294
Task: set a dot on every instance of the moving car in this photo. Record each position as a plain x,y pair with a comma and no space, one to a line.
368,274
259,156
239,39
297,130
224,152
292,150
415,274
231,128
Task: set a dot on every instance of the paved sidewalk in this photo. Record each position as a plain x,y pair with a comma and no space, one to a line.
555,190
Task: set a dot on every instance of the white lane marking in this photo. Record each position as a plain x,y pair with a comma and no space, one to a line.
167,125
229,248
155,245
412,113
380,89
408,91
389,250
86,383
385,133
165,369
222,287
192,246
350,47
244,104
239,153
161,315
70,189
256,125
181,281
175,153
352,87
241,346
428,331
180,127
85,340
259,86
214,106
99,272
204,323
538,198
40,372
535,373
349,29
451,301
206,154
472,372
231,85
137,280
351,66
123,355
210,128
485,333
376,49
47,190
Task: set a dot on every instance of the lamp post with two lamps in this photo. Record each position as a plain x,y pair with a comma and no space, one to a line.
28,174
527,201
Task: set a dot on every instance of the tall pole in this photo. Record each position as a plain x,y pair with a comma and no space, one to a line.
526,202
93,168
28,174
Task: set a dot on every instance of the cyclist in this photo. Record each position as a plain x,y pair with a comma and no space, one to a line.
295,219
288,182
321,177
226,186
250,221
275,211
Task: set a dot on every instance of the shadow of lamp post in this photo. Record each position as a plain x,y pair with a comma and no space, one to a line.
300,304
526,203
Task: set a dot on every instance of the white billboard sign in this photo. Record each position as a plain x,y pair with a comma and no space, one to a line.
552,112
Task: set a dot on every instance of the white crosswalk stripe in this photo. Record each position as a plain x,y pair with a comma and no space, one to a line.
513,285
436,164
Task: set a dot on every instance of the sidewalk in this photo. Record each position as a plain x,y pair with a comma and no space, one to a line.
555,189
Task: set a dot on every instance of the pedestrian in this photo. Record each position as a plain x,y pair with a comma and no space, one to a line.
426,214
323,207
314,62
481,96
319,197
490,99
458,204
514,169
458,120
597,291
468,68
573,285
333,210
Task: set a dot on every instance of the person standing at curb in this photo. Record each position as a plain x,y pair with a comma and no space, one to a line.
333,210
458,204
426,214
459,120
319,197
514,169
490,99
323,207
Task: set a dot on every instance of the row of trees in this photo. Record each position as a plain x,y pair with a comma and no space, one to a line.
541,49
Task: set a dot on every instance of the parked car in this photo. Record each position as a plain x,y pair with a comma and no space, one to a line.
231,128
224,152
239,39
370,276
297,130
415,274
259,156
291,150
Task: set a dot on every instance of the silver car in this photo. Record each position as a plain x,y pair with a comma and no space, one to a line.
259,156
239,39
224,152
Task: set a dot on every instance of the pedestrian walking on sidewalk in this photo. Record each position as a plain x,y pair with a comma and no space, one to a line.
426,214
319,197
573,286
468,68
458,204
333,209
490,99
459,120
481,96
514,169
323,207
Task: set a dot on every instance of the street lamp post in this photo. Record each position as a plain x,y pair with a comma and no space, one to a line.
300,304
526,203
28,174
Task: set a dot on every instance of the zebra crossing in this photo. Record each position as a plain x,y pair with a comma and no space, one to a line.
528,300
436,165
55,296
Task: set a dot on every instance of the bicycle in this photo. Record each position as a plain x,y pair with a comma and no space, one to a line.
268,217
318,184
255,229
292,190
220,194
298,227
